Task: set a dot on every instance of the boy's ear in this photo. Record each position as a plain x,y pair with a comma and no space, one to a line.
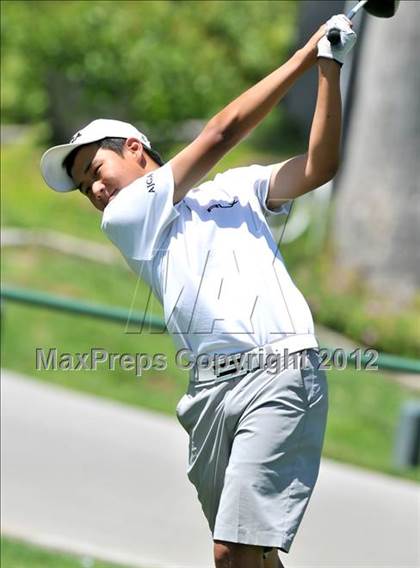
133,145
135,149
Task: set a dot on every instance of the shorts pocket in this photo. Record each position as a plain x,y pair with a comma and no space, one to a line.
314,380
185,412
180,409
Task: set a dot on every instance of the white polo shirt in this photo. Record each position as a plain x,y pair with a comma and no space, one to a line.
211,259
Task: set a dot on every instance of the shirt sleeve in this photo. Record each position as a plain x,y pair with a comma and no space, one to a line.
137,218
255,180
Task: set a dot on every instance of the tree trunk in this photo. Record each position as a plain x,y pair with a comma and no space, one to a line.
377,207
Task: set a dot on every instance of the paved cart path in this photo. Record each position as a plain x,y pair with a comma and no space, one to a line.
103,479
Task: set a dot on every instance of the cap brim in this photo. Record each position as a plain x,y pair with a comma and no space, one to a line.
52,168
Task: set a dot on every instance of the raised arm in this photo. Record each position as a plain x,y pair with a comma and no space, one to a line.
236,120
319,164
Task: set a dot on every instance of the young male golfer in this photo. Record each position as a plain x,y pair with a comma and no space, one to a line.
256,410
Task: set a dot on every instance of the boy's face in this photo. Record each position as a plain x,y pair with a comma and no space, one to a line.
100,174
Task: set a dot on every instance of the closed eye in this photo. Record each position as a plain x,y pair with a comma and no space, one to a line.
86,190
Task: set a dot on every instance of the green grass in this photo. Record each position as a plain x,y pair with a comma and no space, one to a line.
341,300
364,406
27,328
364,412
26,201
338,300
18,554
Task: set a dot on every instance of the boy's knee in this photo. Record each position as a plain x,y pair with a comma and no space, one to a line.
221,555
234,555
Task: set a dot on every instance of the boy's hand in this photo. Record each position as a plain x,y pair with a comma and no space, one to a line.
348,39
310,49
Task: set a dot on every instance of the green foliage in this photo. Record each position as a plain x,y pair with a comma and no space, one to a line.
343,302
153,61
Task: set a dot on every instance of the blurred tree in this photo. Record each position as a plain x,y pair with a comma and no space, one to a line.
155,61
377,214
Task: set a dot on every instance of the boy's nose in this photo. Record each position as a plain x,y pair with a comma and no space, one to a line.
98,187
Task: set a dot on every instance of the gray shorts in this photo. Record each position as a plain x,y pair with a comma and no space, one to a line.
254,450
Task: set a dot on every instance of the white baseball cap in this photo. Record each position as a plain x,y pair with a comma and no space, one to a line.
53,171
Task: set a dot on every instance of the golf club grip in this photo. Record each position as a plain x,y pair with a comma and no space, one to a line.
334,36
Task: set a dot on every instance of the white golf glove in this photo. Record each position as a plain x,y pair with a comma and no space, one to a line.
348,39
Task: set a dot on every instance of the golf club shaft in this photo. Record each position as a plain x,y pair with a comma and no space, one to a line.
354,10
334,34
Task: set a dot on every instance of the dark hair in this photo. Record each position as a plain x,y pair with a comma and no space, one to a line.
114,144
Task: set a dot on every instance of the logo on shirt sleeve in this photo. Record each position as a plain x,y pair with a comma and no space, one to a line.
150,184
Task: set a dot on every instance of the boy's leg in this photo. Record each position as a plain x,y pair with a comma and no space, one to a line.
274,458
234,555
272,560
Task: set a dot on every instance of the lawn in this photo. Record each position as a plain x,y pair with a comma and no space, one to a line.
364,406
18,554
